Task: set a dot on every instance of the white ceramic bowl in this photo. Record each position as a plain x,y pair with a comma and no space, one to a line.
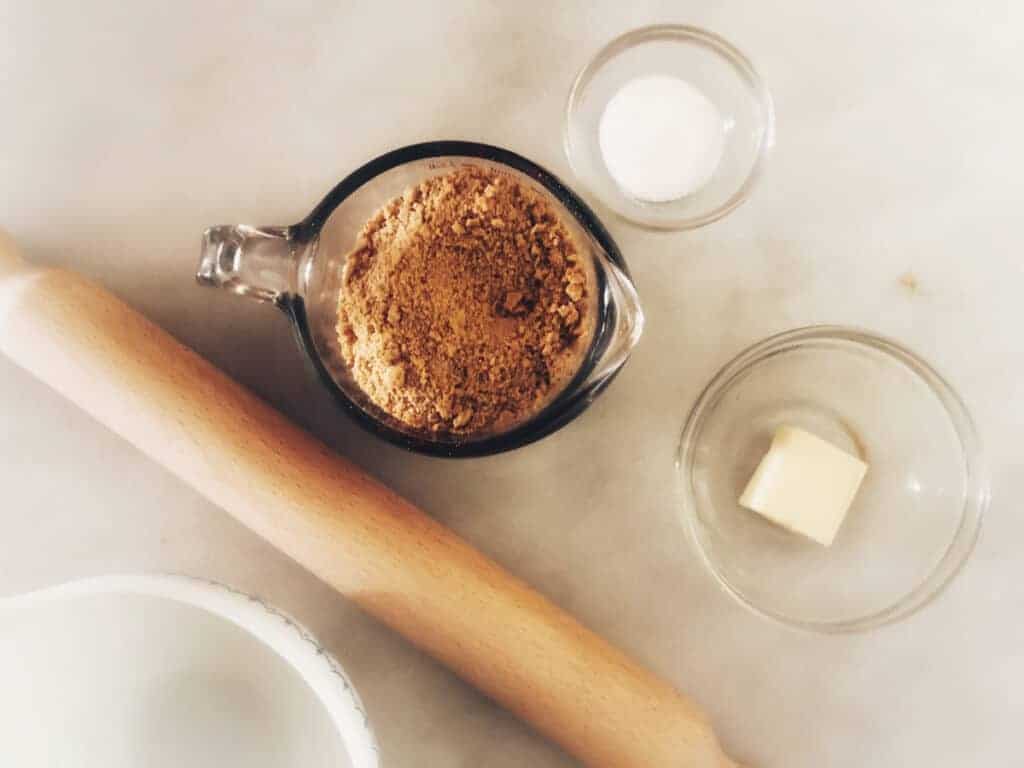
167,671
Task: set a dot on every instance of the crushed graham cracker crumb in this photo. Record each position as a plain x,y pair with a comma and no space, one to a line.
466,304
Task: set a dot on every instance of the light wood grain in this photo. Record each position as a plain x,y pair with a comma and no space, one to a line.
358,536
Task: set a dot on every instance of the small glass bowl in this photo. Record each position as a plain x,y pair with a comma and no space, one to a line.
915,519
727,79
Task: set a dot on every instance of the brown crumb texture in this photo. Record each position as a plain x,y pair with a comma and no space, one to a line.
466,304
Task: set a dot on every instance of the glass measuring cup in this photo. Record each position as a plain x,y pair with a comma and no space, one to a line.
299,269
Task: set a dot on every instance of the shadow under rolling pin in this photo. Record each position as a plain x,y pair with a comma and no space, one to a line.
371,545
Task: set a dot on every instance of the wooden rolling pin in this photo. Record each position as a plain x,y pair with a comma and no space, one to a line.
374,547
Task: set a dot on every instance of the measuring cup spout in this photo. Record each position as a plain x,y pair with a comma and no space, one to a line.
259,262
625,320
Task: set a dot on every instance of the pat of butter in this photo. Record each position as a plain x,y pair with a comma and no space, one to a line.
804,484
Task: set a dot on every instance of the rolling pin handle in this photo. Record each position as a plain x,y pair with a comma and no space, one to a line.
258,262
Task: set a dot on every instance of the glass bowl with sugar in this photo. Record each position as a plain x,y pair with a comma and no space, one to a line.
669,127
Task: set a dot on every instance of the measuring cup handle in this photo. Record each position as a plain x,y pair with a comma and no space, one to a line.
259,262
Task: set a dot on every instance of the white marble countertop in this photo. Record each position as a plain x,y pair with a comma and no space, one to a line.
126,129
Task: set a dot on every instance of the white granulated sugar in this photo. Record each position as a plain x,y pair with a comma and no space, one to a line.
661,138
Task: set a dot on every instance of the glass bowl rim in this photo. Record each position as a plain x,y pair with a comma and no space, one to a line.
566,406
976,498
715,44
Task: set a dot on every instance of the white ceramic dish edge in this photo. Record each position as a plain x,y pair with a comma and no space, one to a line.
281,633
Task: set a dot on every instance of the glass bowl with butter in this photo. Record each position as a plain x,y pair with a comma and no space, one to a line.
832,480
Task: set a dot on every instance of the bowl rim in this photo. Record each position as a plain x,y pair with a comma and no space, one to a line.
680,33
977,488
291,641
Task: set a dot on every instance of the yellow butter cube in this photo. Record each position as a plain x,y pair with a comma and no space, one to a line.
805,484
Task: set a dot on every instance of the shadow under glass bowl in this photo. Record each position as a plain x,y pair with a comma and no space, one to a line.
915,519
299,268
